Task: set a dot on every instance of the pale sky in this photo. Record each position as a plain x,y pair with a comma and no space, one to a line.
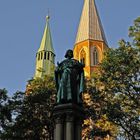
22,24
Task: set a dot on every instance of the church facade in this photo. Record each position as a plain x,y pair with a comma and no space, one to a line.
90,41
89,46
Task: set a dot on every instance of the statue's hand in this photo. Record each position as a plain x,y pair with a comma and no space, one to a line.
58,68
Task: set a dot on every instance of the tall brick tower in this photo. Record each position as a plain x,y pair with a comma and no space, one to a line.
90,40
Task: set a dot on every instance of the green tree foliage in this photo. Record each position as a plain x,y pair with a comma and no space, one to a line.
119,82
111,100
32,113
5,112
96,123
134,32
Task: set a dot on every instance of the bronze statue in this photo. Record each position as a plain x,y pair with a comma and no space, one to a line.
69,76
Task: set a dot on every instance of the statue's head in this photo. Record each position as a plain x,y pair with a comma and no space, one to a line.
69,54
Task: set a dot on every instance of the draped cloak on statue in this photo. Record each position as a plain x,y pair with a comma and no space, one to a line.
69,76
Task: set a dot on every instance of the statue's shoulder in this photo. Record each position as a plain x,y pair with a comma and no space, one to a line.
73,63
70,63
62,65
77,63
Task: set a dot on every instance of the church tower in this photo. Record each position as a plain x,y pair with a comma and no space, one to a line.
45,56
90,40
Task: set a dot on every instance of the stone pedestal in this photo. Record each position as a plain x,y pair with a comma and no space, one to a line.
68,120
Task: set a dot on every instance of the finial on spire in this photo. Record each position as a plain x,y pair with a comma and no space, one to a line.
48,16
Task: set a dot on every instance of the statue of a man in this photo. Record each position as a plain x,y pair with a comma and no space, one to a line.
69,77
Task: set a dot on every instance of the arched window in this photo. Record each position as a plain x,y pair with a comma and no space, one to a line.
95,56
53,58
83,57
48,55
41,55
38,56
45,55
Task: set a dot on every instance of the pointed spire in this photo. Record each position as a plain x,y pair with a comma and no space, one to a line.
46,43
90,26
45,57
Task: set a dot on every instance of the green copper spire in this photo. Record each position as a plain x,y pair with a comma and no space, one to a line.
46,43
45,56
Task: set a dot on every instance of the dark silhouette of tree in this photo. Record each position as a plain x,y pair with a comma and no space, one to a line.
32,112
